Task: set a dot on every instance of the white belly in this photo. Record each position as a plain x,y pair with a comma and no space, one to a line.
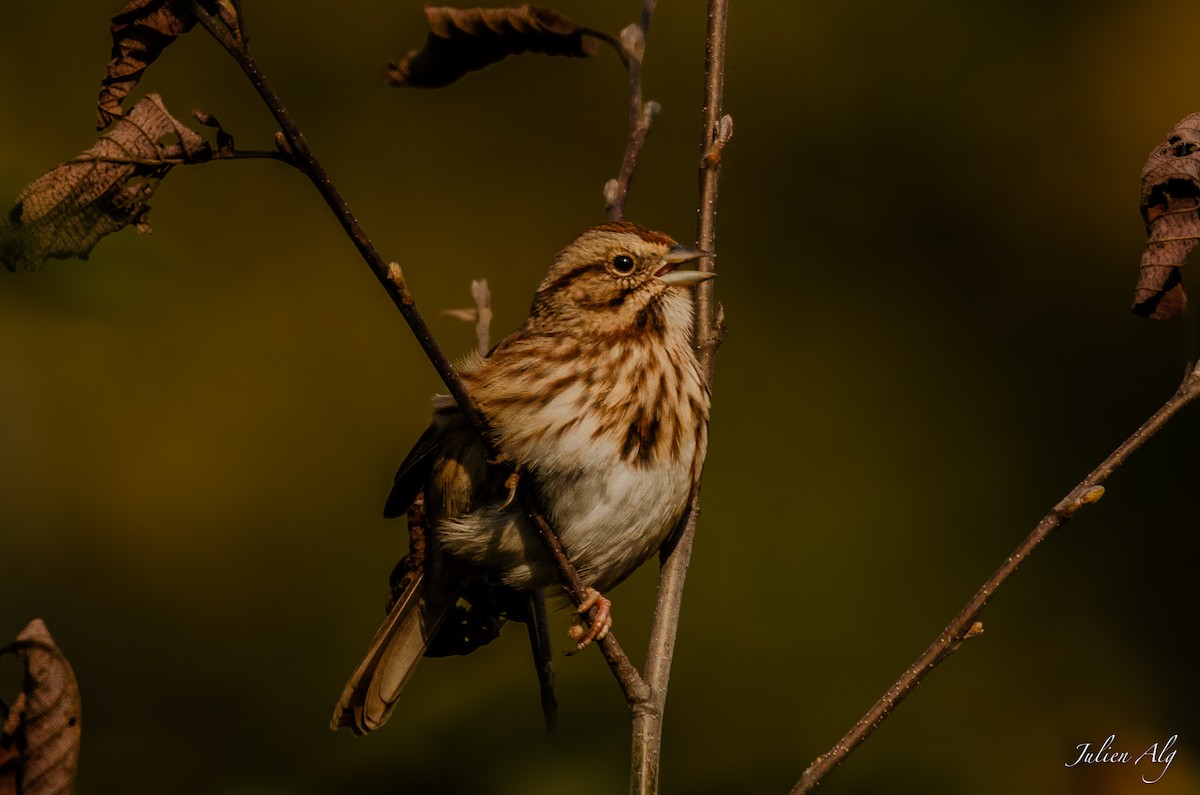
609,522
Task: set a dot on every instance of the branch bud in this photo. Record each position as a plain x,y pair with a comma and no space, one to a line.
633,42
285,148
650,112
611,189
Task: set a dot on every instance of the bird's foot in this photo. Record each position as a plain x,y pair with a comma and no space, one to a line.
510,483
580,632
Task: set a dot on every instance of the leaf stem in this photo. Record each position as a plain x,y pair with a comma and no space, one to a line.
237,154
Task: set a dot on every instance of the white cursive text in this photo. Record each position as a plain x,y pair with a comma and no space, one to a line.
1157,754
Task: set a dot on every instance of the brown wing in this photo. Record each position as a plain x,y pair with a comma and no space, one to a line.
414,471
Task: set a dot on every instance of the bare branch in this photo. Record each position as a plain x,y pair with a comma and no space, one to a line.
538,624
708,333
964,624
632,49
481,315
391,278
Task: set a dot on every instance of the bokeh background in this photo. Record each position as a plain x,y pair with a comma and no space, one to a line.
928,242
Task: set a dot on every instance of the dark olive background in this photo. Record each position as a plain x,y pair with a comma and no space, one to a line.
928,242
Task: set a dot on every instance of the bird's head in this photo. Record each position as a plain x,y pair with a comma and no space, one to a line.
619,279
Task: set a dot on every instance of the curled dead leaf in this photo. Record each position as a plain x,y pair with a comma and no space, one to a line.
43,726
225,143
140,33
1171,209
66,211
10,755
465,39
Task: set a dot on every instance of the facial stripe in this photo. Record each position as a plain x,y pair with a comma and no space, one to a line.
564,279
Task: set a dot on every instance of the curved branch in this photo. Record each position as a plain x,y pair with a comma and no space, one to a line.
1088,491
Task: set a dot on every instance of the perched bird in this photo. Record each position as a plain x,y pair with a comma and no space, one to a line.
600,398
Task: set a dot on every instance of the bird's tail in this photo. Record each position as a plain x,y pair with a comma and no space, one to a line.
401,641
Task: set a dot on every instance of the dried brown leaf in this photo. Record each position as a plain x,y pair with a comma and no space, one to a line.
464,39
225,143
66,211
1171,209
140,33
45,731
10,755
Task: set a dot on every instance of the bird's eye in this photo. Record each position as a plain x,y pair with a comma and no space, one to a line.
622,263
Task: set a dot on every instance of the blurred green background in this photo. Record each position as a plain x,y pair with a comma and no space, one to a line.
928,242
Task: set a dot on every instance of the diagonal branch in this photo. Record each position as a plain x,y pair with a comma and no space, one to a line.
391,278
709,330
962,627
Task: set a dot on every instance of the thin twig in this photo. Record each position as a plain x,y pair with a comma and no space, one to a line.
391,278
632,48
708,333
538,624
647,14
483,315
960,628
480,315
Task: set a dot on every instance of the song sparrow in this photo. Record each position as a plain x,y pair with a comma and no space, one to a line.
599,396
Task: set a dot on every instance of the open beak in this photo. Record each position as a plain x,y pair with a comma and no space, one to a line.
678,256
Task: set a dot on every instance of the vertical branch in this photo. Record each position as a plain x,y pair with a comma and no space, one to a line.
709,329
481,315
538,624
632,48
483,322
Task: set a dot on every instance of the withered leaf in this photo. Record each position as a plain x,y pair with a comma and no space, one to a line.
10,756
225,144
140,33
43,727
1171,208
230,14
464,39
66,211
